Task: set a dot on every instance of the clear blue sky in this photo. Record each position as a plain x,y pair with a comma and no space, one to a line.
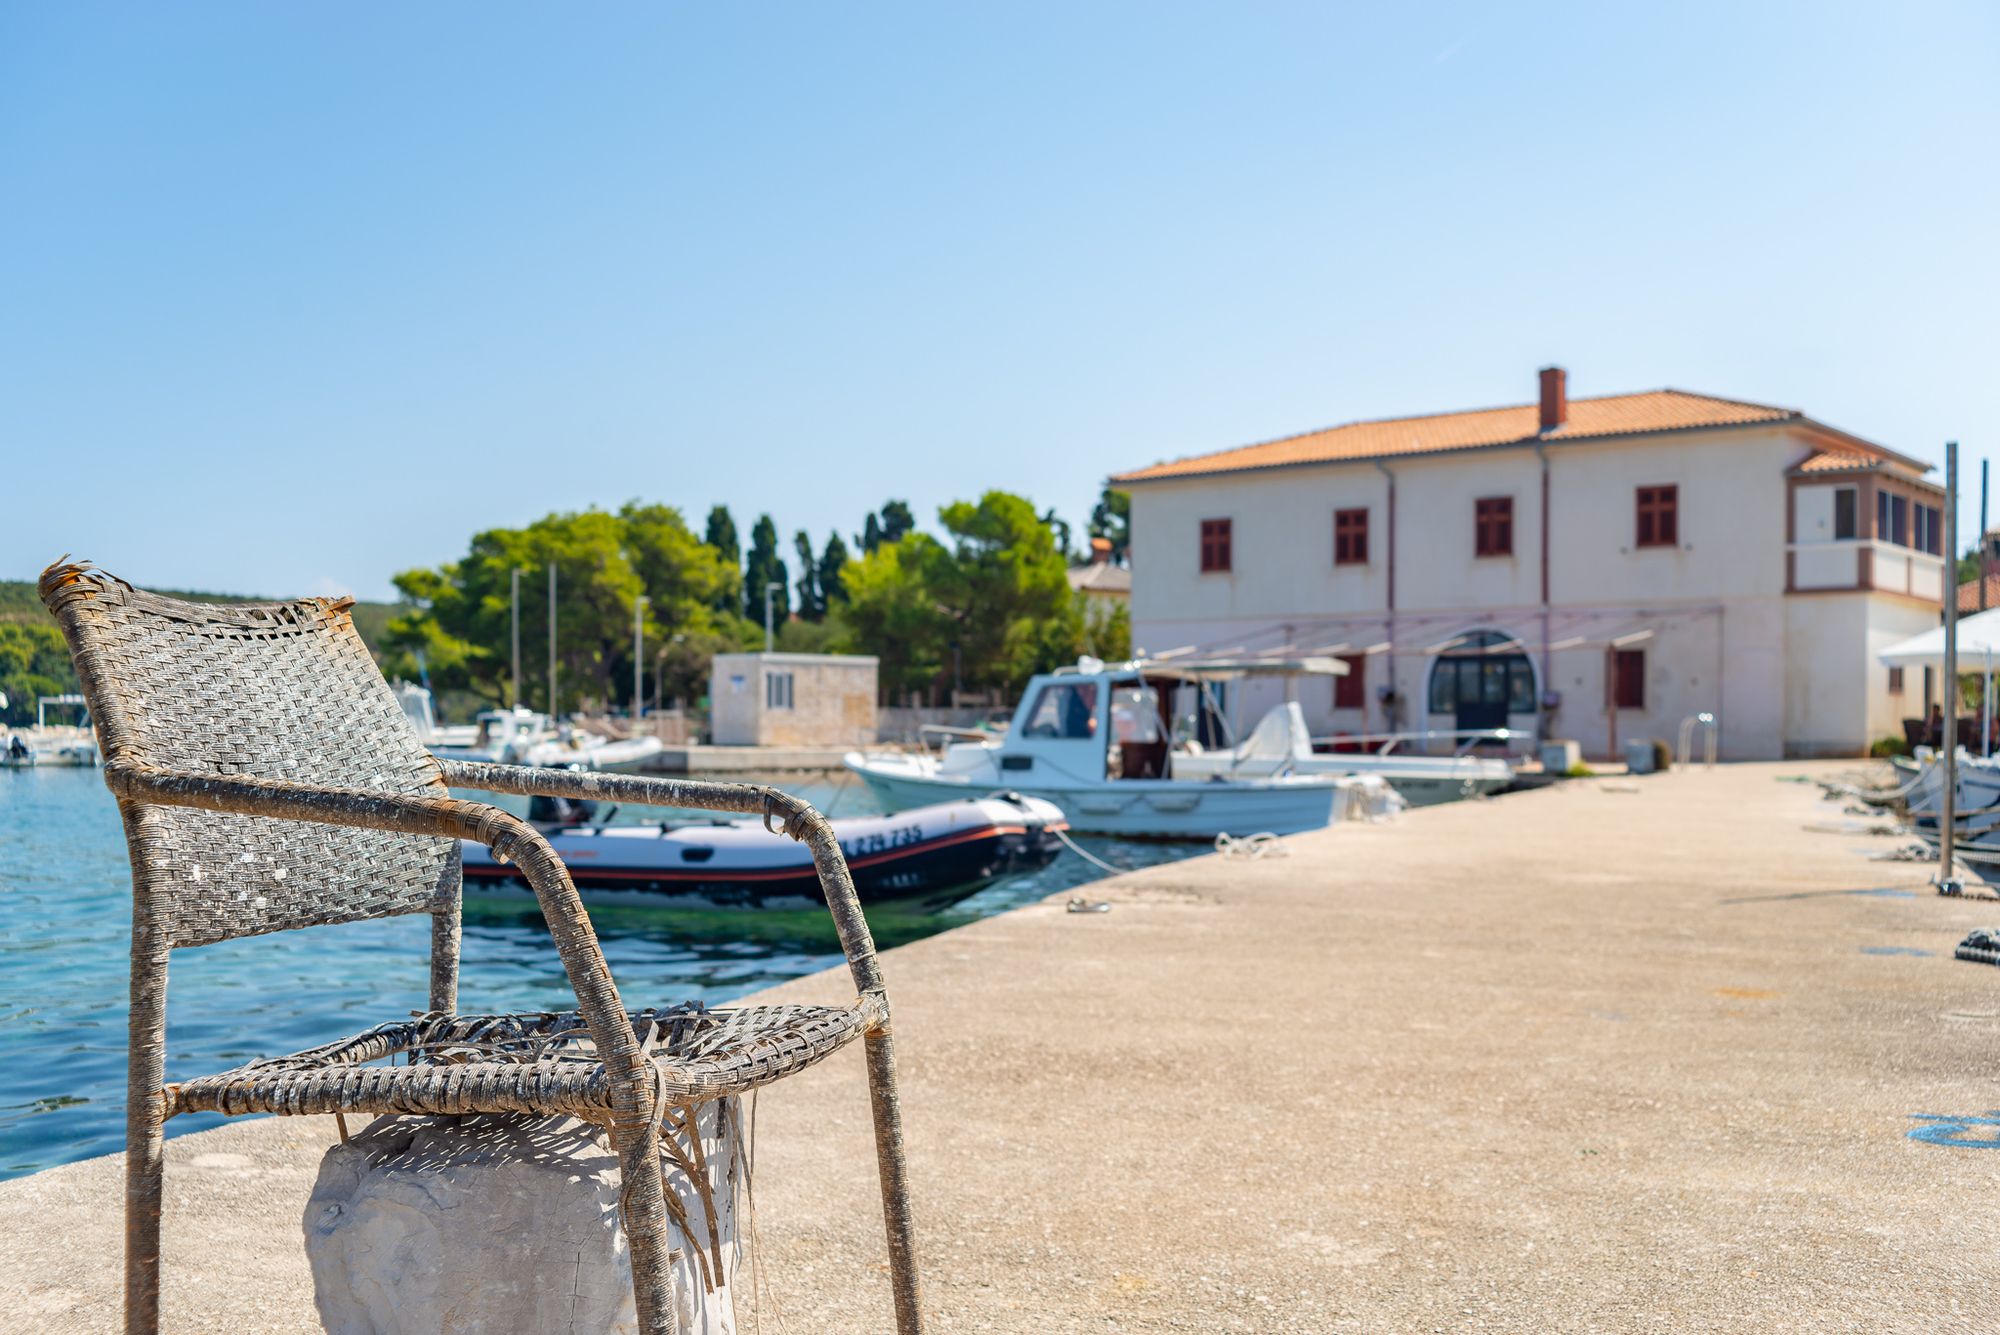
296,296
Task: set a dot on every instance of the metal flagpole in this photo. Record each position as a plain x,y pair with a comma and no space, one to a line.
552,642
1947,880
515,597
1986,681
1982,538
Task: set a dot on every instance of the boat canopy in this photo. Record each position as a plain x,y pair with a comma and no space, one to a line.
42,706
1211,669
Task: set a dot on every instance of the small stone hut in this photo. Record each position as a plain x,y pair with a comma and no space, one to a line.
792,699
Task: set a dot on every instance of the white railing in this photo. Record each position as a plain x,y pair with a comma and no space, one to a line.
1467,738
939,736
1706,722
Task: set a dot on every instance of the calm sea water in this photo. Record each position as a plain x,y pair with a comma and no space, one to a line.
65,929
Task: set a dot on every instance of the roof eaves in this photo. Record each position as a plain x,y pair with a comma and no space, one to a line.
1517,442
1866,446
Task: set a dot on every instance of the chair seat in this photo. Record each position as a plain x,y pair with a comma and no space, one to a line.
539,1062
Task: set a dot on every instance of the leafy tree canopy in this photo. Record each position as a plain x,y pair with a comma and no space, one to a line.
831,562
34,662
999,595
812,604
457,617
1111,519
722,534
765,567
897,520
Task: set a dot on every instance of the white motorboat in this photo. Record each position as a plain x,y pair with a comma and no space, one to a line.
522,737
41,747
52,743
1280,744
78,754
1976,805
574,746
1096,741
929,857
496,736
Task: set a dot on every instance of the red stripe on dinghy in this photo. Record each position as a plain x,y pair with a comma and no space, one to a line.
702,871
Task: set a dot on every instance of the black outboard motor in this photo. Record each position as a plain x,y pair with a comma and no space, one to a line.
562,812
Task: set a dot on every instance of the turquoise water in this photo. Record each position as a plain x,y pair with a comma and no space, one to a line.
65,923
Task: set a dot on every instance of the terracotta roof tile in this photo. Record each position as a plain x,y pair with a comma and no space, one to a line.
1838,461
1968,594
1611,415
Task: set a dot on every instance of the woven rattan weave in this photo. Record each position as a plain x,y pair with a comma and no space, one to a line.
268,780
439,1063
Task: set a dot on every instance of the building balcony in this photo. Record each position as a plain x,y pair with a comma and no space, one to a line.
1865,563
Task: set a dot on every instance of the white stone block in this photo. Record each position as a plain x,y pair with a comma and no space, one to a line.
503,1225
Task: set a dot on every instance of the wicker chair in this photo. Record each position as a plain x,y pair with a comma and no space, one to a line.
268,780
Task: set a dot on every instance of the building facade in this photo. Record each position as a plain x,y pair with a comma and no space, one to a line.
1596,569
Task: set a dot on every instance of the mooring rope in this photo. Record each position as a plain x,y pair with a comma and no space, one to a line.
1091,858
1263,844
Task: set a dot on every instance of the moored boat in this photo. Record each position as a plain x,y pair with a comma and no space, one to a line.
574,746
931,857
1280,744
68,746
1096,741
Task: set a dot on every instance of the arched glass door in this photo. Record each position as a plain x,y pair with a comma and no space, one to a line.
1482,678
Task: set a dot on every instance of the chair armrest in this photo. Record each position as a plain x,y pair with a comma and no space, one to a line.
798,817
507,835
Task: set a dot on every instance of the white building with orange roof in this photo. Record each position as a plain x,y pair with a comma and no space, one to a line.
1591,568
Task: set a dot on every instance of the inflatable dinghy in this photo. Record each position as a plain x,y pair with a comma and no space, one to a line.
928,856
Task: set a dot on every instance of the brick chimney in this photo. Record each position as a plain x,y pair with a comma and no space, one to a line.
1555,397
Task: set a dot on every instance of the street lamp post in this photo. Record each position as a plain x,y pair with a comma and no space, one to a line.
1947,873
639,659
770,639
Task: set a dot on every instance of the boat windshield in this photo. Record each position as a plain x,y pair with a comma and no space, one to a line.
1135,715
1065,710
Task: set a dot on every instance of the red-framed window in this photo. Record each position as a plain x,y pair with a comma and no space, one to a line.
1895,681
1215,554
1628,678
1844,513
1659,516
1493,526
1892,518
1930,529
1351,691
1350,537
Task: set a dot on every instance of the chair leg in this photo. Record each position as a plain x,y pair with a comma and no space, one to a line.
895,1181
145,1145
444,962
446,916
642,1200
144,1162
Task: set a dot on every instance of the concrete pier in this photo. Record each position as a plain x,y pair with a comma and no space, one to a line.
1615,1056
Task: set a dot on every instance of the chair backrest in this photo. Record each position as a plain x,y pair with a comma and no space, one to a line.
254,690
